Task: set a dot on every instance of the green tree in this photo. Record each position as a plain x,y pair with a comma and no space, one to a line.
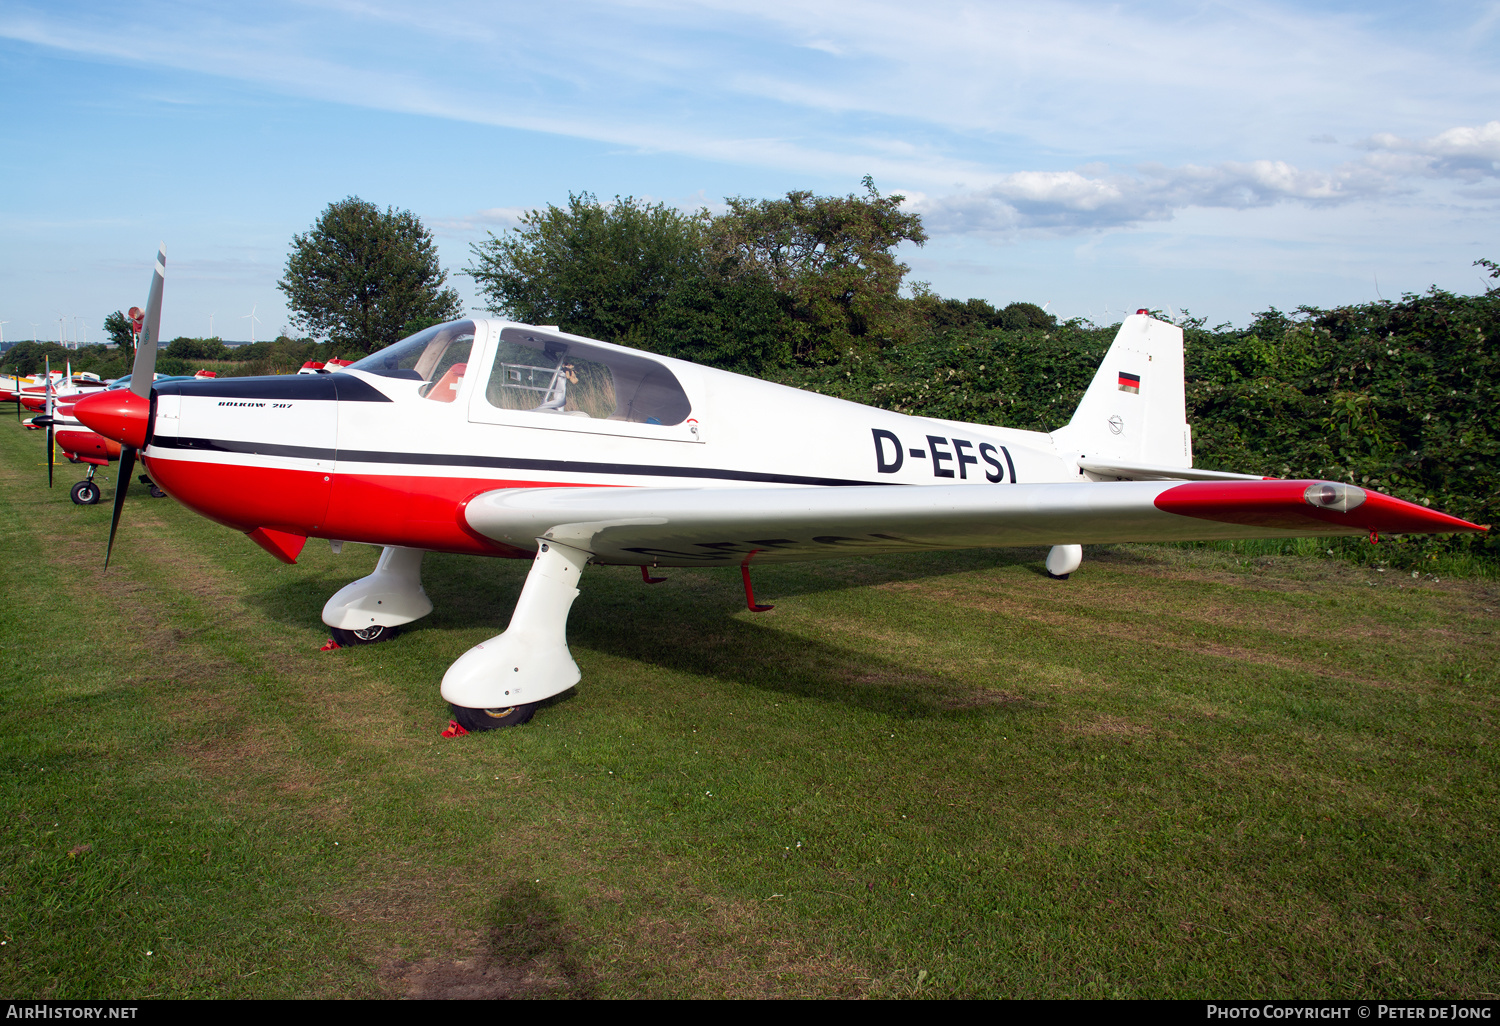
1493,268
766,282
831,259
117,327
606,272
629,272
184,348
360,276
31,357
1019,316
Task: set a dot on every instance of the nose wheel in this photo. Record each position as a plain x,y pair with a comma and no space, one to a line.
488,719
86,492
363,636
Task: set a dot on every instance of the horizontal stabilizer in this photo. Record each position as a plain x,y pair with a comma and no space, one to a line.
1156,472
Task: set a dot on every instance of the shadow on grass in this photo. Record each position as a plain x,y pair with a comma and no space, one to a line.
692,625
750,655
468,591
527,952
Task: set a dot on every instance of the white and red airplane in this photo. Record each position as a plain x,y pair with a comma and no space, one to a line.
494,438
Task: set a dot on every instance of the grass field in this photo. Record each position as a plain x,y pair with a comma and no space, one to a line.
1184,772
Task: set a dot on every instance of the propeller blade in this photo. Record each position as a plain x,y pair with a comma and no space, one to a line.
143,372
122,485
51,448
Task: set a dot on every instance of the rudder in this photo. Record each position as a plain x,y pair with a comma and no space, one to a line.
1135,409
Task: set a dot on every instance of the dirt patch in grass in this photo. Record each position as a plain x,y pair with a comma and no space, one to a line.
740,949
1281,573
941,693
1158,631
532,947
1105,725
982,698
528,951
899,679
470,979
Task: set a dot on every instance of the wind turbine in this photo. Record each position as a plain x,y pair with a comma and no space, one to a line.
210,325
253,319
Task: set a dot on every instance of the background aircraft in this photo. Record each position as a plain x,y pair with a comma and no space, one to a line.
80,445
494,438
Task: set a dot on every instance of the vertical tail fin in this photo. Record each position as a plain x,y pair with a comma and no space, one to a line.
1135,410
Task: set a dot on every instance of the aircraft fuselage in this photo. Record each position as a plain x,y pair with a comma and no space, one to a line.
361,456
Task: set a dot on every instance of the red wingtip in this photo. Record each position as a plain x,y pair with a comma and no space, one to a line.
1283,506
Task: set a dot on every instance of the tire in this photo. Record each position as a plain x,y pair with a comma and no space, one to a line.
489,719
157,493
364,636
85,493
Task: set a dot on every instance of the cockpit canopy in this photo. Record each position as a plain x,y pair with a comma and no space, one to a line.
535,371
544,373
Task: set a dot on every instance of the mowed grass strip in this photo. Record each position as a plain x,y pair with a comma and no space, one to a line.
1181,773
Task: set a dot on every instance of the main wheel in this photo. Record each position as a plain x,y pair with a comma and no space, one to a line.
85,493
488,719
363,636
157,493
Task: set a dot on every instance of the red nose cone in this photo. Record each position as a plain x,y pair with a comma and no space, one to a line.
116,413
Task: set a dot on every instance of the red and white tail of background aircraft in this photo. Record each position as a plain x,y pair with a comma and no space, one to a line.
494,438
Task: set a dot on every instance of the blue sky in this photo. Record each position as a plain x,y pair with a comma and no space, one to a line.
1218,157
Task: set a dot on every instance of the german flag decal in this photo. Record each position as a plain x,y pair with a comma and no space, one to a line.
1130,383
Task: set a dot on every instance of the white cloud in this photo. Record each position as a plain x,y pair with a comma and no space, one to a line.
1465,152
958,93
1049,118
1070,201
492,219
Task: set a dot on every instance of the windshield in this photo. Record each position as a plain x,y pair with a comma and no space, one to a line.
426,356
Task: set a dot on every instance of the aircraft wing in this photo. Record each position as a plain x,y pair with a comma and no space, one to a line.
723,526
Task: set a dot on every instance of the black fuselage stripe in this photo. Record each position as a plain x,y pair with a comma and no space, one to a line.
422,459
333,387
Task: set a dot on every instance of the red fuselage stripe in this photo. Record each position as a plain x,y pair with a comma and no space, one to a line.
414,511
